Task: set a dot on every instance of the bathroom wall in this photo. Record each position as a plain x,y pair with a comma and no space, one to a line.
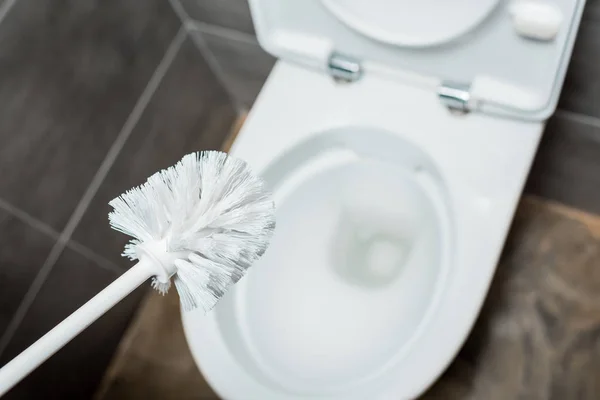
567,168
94,97
224,32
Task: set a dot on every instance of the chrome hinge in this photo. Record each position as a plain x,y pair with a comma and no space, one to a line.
343,68
455,96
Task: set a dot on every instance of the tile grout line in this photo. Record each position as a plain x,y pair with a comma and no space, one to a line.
29,220
222,32
215,67
122,137
180,11
578,117
5,8
93,187
195,29
94,257
47,230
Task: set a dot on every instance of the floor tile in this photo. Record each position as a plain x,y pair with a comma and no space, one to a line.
567,164
77,369
22,252
232,14
71,73
244,65
537,336
157,364
189,112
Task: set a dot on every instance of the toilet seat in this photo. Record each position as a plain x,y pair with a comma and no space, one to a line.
482,162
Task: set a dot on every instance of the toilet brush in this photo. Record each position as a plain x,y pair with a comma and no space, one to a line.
202,222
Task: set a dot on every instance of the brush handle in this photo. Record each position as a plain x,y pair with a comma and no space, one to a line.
17,369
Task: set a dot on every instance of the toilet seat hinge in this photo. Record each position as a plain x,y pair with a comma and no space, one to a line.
343,68
456,96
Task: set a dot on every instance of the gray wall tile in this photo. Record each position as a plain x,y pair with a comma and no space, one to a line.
581,90
567,165
244,65
232,14
23,250
190,111
71,72
76,370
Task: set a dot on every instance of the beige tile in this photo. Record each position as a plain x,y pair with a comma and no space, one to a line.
154,361
538,335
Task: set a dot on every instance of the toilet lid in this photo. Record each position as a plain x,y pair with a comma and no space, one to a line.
478,44
409,22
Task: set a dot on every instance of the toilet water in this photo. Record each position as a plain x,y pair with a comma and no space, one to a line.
347,278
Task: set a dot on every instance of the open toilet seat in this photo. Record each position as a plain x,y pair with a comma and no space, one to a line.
482,163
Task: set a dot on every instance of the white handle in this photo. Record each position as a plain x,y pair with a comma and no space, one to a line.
63,333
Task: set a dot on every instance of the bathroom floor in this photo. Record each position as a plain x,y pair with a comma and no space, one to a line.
538,336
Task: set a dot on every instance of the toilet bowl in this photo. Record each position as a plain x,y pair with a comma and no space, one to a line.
394,196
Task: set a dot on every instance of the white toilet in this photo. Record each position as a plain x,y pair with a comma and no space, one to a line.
396,136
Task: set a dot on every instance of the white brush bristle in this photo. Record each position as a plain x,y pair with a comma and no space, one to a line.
210,207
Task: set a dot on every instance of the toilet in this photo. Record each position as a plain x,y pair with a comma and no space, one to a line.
396,137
